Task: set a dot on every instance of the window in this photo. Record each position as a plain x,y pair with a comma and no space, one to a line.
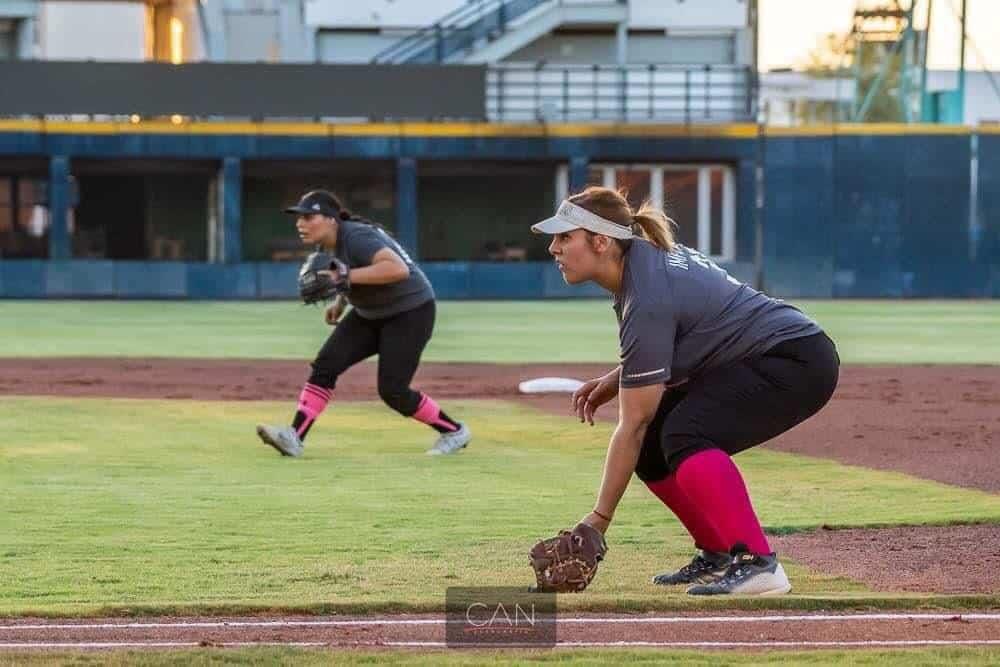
24,217
135,209
693,49
483,211
8,39
170,32
700,198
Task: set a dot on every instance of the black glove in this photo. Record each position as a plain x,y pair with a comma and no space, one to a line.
314,285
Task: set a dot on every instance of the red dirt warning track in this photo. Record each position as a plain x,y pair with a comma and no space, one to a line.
737,631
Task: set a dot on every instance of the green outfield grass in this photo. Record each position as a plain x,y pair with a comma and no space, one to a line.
304,657
904,332
168,506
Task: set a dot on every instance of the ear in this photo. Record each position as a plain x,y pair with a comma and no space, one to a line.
600,243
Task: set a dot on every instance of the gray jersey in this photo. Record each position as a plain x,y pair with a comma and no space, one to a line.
679,315
357,243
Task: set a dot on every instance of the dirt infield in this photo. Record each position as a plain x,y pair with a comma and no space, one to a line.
730,631
936,422
940,559
939,423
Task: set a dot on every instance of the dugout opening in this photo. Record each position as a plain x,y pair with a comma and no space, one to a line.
142,209
366,187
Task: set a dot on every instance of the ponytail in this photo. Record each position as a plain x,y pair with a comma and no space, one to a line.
648,222
345,214
654,226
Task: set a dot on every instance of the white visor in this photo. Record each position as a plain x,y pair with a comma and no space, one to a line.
570,217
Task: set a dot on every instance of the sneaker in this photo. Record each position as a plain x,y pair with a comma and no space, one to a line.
748,574
282,438
449,443
704,568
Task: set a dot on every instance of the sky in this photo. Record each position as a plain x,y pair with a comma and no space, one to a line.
789,29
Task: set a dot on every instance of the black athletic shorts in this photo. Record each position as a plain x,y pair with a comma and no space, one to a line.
398,340
740,405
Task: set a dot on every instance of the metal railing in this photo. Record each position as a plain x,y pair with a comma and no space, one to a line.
455,31
633,93
502,92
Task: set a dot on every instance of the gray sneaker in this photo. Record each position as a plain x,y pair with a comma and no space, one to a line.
748,574
704,568
449,443
282,438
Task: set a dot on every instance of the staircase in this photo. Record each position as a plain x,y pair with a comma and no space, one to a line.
486,31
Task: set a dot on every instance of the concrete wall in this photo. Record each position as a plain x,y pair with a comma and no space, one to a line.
110,30
356,32
982,104
672,14
650,14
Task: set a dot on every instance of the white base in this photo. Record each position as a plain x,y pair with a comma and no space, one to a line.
549,385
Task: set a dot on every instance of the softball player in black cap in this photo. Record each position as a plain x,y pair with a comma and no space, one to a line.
392,315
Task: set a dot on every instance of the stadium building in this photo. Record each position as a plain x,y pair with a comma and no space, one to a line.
147,148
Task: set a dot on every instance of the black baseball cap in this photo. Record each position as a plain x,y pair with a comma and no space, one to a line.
316,202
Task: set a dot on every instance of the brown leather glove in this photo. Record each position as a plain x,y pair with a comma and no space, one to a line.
568,562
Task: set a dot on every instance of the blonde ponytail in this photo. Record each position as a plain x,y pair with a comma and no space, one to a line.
654,226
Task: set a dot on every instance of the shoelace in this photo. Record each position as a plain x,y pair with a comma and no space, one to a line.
734,574
697,566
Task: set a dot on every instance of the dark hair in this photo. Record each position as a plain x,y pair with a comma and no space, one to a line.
343,213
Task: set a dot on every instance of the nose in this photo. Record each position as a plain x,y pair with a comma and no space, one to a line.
552,246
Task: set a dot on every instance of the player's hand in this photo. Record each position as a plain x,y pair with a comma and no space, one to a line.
334,311
340,274
593,394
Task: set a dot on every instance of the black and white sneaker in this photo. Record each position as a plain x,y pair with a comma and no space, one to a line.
748,574
704,568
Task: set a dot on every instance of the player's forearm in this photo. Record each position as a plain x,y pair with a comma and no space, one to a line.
623,455
379,273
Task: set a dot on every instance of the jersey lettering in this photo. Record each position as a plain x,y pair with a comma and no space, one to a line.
393,244
705,262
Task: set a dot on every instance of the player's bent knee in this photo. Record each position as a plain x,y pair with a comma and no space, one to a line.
678,448
404,401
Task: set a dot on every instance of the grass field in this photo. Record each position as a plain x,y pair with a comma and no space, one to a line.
903,332
148,507
173,505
